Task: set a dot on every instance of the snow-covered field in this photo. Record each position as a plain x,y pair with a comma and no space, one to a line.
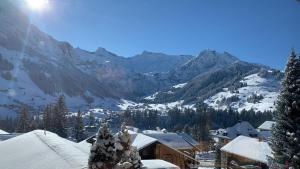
268,88
151,97
179,85
163,107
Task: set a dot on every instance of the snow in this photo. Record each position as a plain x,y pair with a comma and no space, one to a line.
256,85
158,164
152,132
3,132
45,150
125,104
173,140
23,90
140,140
250,148
267,125
181,85
42,150
151,97
241,128
162,107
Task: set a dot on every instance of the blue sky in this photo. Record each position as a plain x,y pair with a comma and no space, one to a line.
261,31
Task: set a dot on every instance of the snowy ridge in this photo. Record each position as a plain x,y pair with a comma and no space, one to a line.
265,90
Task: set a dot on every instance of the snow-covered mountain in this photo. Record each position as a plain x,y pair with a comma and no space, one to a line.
207,61
258,92
35,69
151,62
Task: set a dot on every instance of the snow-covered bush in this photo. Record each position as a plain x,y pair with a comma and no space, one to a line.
113,152
102,151
128,157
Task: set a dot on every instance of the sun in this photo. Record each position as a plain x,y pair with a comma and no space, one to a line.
37,4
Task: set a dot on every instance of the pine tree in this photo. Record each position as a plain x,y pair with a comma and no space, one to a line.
218,156
187,129
79,127
103,150
135,158
47,118
59,117
285,141
23,121
91,119
122,145
127,156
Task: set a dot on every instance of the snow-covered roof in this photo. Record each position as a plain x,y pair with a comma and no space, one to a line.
152,131
8,136
132,128
46,150
172,140
265,134
42,150
158,164
241,128
140,140
250,148
267,125
188,138
3,132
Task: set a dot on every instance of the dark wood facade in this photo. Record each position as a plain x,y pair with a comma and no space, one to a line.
228,158
163,152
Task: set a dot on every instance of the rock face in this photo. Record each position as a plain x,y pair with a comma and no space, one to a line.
35,68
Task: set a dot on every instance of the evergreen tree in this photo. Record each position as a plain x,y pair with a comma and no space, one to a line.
285,141
79,127
135,158
127,156
47,118
122,144
91,119
187,129
9,124
218,157
103,150
59,117
23,121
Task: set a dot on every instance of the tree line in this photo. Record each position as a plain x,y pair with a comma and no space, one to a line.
54,118
195,122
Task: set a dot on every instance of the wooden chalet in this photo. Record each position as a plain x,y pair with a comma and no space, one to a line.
242,128
245,152
178,149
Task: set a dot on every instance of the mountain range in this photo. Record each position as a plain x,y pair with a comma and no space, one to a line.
35,69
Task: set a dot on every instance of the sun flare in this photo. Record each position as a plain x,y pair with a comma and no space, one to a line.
37,4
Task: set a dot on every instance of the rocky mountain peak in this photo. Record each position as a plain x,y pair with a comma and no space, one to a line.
208,55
